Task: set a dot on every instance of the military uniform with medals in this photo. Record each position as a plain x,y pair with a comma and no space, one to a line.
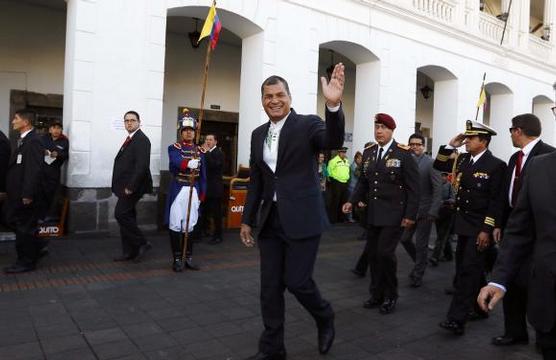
478,209
389,187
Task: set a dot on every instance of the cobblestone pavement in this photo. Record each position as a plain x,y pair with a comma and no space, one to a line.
80,305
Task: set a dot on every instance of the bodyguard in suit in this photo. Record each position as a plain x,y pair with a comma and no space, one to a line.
430,194
525,132
284,184
131,179
212,207
24,194
478,179
530,233
389,188
5,151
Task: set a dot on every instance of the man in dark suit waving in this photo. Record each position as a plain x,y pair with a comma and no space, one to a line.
284,183
131,179
525,132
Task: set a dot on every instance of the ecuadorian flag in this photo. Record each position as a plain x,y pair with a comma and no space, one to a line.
212,27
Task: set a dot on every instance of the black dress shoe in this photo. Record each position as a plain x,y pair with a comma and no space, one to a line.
177,266
358,273
124,257
142,251
372,303
433,262
388,306
189,264
415,283
505,340
215,240
476,315
18,268
281,355
326,336
453,326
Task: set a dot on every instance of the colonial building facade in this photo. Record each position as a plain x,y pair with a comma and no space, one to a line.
422,61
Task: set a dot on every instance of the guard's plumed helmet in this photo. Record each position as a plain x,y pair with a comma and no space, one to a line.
187,120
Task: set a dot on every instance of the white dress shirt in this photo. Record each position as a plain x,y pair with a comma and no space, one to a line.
270,146
385,148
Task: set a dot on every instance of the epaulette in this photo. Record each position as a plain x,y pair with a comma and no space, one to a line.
370,146
177,145
442,158
403,146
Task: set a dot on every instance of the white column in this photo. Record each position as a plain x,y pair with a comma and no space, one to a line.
250,108
114,63
501,112
521,20
544,113
367,92
445,113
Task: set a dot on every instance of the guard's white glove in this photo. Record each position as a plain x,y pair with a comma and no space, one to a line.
193,164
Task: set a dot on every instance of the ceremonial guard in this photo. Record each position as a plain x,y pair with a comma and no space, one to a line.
389,188
187,166
477,179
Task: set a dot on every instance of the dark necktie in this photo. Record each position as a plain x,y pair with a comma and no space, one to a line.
127,140
19,142
380,151
517,177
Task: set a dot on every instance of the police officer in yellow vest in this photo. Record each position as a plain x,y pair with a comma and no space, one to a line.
338,172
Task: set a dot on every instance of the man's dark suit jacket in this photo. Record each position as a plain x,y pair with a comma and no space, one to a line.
24,174
215,161
531,230
539,149
4,160
131,167
296,182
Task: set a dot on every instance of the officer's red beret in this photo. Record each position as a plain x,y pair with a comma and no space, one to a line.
385,119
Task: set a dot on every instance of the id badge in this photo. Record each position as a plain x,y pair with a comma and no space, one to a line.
19,159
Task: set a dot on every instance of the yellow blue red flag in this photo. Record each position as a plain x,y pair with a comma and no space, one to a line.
212,27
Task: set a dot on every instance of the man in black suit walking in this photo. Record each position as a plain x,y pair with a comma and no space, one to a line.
525,132
131,179
531,234
284,183
478,179
24,195
212,207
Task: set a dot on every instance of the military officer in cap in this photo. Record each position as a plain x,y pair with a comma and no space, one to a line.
477,179
389,188
187,166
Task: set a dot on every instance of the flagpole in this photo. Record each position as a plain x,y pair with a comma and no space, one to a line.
197,138
506,22
480,94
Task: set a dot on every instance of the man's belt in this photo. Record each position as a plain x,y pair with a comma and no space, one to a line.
182,179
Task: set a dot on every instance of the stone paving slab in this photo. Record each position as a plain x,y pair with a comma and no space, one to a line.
81,305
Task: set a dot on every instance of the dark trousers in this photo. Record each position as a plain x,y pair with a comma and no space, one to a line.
515,305
126,215
470,277
286,264
444,225
363,261
337,196
381,249
547,343
27,243
418,251
212,209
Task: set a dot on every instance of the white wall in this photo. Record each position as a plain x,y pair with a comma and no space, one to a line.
31,52
183,78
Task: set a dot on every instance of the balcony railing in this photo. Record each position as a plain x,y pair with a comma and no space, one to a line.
442,10
539,47
491,28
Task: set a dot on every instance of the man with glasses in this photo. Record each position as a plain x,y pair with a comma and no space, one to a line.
430,191
525,132
389,188
131,179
